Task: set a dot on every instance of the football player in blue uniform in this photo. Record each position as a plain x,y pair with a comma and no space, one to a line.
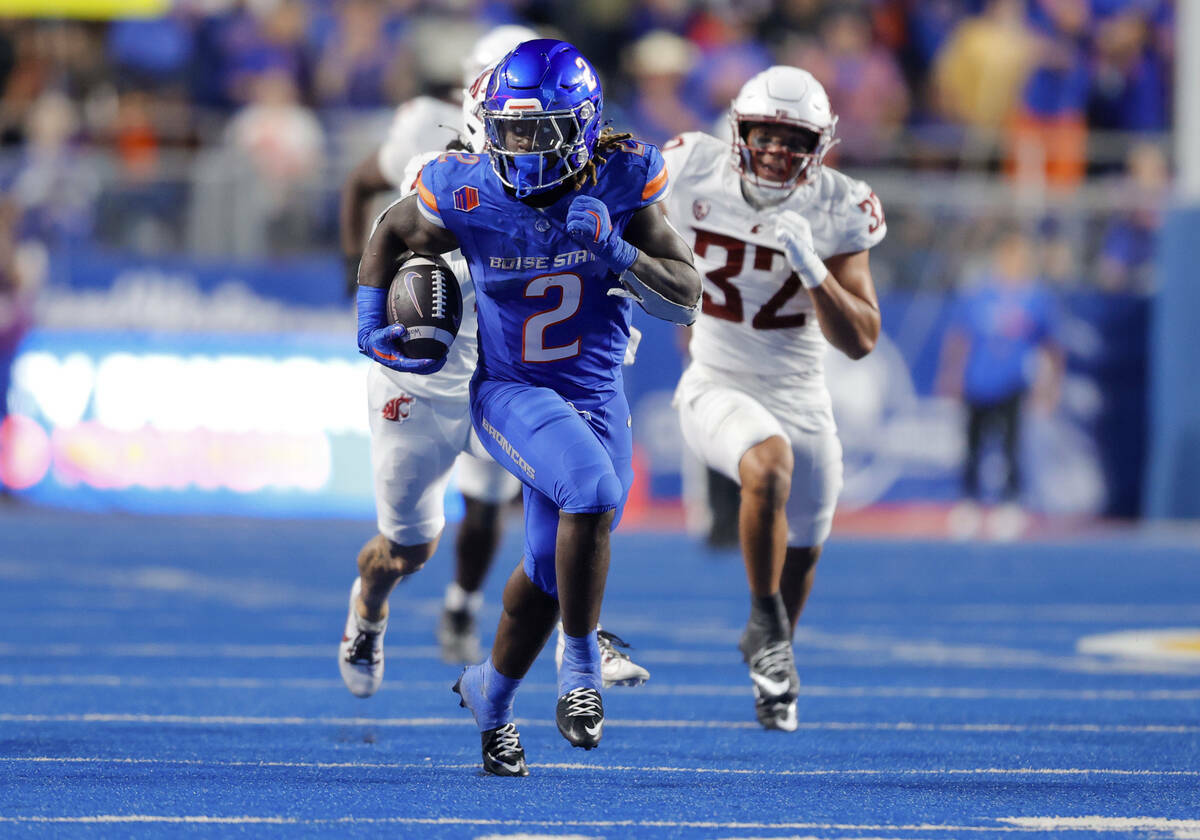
561,225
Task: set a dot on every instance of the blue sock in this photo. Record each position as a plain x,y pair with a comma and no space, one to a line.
581,663
489,695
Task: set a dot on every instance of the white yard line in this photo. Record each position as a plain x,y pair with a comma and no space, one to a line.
675,689
854,652
827,726
1019,772
1121,825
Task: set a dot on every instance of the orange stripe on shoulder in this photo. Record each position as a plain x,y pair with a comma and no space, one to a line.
425,194
655,184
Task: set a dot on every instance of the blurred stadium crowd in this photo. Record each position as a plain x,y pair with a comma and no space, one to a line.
226,127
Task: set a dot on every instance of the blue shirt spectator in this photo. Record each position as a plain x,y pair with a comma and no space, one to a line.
1000,324
1004,325
1129,86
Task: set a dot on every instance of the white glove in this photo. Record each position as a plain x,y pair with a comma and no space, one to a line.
795,235
635,338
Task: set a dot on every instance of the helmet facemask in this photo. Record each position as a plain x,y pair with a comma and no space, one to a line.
533,150
777,154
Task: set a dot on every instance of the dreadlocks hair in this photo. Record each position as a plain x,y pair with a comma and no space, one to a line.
608,143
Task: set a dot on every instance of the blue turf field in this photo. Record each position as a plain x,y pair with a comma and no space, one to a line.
173,676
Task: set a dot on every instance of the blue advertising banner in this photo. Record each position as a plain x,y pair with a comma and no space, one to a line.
272,425
231,387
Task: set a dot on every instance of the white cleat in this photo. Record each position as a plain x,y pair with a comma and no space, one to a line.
616,668
1007,523
360,655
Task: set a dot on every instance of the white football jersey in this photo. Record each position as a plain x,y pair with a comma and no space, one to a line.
419,125
454,379
756,315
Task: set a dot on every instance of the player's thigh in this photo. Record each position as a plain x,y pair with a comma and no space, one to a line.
721,423
414,443
485,480
816,483
541,538
548,444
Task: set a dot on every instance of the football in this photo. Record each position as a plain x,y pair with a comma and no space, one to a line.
425,297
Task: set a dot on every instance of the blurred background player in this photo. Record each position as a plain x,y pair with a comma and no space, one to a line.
783,243
413,453
542,228
1001,328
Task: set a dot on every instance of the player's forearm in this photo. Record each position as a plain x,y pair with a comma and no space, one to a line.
675,280
848,322
660,274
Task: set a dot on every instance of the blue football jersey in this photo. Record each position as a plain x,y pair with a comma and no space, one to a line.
544,312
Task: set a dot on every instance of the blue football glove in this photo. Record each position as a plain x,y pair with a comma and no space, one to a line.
386,346
589,224
384,343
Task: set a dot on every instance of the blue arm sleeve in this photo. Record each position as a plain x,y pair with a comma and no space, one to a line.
372,312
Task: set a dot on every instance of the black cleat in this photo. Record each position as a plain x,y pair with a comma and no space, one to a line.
580,717
771,714
773,674
503,754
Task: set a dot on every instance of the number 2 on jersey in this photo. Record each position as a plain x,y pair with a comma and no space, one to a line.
731,308
533,339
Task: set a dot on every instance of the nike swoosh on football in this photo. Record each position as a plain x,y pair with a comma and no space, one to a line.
770,687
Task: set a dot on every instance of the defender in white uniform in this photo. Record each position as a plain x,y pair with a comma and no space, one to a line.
782,244
421,425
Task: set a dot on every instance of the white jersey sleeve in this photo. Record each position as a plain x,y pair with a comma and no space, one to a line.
676,152
419,125
860,222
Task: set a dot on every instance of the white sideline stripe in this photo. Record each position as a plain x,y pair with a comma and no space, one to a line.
1117,824
718,771
1102,824
690,690
832,726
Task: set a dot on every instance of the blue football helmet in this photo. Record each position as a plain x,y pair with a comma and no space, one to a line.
541,115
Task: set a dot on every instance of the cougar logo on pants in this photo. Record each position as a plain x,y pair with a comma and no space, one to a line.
398,408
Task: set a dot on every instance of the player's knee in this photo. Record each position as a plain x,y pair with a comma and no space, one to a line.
602,494
384,558
766,471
